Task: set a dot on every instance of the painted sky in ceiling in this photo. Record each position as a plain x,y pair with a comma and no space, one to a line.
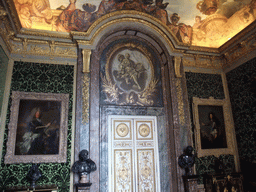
208,23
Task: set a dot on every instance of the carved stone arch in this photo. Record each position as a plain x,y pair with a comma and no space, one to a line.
127,19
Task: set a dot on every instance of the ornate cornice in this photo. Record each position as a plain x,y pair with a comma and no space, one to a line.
49,43
202,61
239,51
45,48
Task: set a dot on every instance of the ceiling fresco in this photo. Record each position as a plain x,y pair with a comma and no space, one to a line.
207,23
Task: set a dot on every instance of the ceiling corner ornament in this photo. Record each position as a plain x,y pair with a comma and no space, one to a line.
86,96
86,60
240,50
129,76
177,63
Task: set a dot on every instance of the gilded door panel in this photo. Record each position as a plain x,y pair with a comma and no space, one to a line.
123,170
133,154
146,170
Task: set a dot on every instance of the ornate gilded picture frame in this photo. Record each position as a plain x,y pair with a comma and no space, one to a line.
37,128
213,127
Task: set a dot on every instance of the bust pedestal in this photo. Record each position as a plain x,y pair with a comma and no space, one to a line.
83,187
190,183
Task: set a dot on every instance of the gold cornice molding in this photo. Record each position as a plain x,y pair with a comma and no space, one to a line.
202,61
41,48
129,14
113,22
240,50
203,57
239,37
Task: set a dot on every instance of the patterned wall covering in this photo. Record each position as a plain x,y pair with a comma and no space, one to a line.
242,86
3,71
35,77
205,86
206,165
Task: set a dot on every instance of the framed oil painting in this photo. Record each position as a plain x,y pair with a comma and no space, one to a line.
37,128
214,131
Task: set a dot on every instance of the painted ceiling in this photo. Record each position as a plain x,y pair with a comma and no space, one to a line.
207,23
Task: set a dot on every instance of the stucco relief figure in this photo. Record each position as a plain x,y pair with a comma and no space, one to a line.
130,77
130,74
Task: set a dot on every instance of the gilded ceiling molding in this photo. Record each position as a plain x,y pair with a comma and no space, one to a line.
45,48
244,34
91,41
240,50
202,61
204,49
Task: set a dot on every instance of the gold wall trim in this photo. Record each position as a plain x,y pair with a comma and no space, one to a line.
86,97
86,60
180,102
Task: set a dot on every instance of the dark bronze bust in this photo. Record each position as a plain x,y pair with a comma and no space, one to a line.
187,160
84,166
33,175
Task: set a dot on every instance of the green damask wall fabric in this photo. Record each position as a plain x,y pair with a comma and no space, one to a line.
204,85
242,86
47,78
3,70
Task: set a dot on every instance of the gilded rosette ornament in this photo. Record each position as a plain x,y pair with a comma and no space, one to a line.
129,78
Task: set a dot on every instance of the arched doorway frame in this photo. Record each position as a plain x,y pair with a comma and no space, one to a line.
155,33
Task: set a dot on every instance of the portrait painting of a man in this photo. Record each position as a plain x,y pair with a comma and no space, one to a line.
212,127
38,127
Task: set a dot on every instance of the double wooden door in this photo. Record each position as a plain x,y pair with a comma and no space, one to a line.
133,154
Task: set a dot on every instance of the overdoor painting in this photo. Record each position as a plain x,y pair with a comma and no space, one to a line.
208,23
129,77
